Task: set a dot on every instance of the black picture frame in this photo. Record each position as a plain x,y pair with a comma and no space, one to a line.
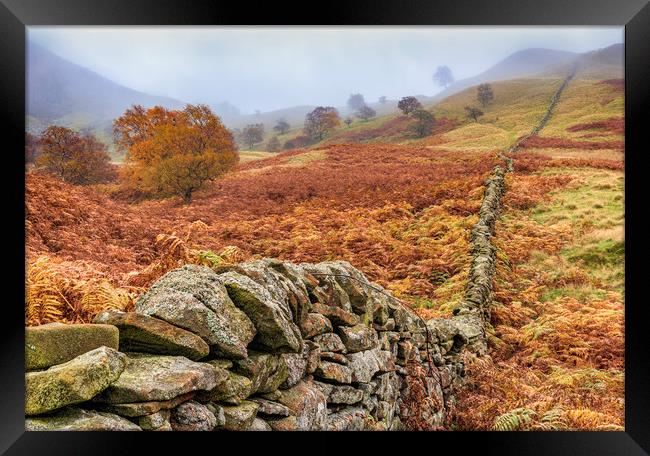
15,15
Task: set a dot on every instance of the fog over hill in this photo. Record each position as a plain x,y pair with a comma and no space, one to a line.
65,93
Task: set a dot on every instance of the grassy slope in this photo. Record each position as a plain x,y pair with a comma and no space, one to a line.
558,337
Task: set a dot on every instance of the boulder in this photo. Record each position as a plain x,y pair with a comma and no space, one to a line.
336,315
348,419
290,423
155,421
240,417
387,386
344,394
266,371
270,407
233,390
192,298
137,409
334,357
259,425
192,416
328,292
315,324
284,281
272,317
313,357
364,365
75,381
76,419
330,342
296,364
141,333
56,343
334,372
358,338
159,378
217,411
307,404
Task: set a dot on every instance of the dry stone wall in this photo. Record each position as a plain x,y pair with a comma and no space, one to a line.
263,345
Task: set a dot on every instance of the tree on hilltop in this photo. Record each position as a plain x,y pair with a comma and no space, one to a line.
282,127
74,158
321,121
382,99
253,134
484,94
473,112
409,104
443,76
174,152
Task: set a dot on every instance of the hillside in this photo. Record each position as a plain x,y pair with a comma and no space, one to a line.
62,93
604,63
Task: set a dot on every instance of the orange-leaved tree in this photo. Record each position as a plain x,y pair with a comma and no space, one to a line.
74,158
174,152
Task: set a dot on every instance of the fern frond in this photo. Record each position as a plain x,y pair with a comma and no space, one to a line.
514,420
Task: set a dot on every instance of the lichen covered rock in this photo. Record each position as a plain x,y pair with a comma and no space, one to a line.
193,298
141,333
56,343
76,381
158,378
76,419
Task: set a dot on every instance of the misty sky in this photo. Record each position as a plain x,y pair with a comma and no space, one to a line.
275,67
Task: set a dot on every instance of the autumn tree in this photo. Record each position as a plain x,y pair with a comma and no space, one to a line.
356,101
74,158
365,112
31,147
409,104
274,145
484,94
321,121
253,134
282,127
443,76
382,99
174,152
424,122
473,112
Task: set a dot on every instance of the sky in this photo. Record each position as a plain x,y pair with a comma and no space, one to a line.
266,68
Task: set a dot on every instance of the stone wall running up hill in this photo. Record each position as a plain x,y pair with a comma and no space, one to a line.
263,345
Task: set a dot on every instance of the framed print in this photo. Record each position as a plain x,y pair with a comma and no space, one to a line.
378,218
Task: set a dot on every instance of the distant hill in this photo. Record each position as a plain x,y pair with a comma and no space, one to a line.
538,62
63,93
